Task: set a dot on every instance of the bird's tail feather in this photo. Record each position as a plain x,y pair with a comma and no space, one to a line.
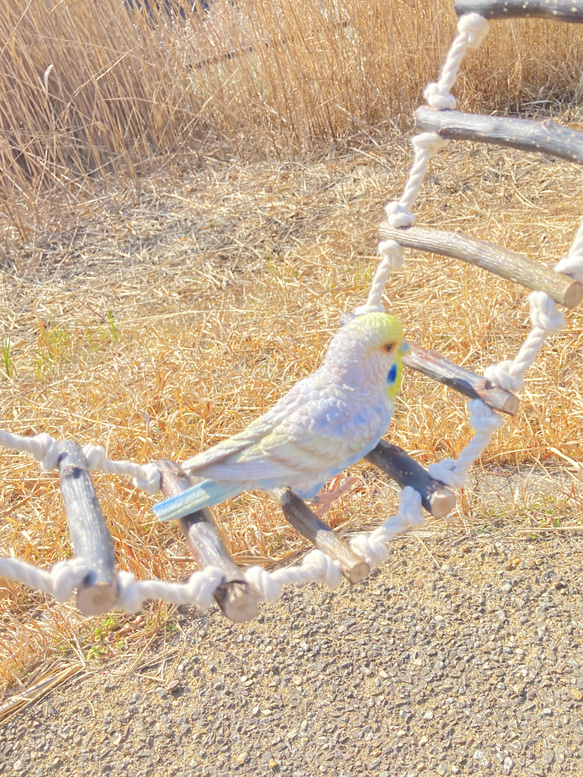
203,494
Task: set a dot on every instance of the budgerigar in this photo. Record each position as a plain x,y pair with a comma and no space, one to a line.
325,423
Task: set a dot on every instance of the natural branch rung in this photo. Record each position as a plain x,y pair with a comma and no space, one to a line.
461,380
236,598
308,525
560,10
546,136
90,537
500,261
436,498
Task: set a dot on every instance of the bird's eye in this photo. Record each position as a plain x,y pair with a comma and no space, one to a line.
392,376
389,347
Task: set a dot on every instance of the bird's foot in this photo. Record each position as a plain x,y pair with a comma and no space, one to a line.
335,491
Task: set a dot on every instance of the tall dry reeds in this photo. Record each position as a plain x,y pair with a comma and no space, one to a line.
93,87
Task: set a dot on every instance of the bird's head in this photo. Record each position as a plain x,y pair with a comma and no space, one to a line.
369,348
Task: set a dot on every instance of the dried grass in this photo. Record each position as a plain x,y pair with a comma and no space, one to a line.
161,322
156,310
50,680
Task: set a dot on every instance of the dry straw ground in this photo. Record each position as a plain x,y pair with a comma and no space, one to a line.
158,304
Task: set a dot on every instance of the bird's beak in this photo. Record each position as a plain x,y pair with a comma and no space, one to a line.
404,348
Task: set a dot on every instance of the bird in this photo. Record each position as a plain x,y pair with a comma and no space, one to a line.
324,424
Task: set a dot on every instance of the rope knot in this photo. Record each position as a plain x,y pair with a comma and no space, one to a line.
372,548
264,583
448,472
481,417
66,576
323,569
410,506
439,97
475,27
150,480
44,448
201,586
399,216
128,596
429,142
571,265
95,456
392,254
501,375
544,313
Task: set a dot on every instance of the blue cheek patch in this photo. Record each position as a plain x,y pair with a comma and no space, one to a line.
392,376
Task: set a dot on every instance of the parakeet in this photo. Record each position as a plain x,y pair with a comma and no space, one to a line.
325,423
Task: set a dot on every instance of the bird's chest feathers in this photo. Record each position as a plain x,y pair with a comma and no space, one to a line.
356,416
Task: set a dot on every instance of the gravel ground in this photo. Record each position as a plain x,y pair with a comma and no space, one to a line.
461,655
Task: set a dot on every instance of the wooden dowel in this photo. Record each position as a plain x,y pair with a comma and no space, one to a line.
500,261
545,136
308,525
461,380
90,537
236,598
436,497
561,10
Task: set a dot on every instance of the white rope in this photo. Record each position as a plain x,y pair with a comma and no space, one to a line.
43,448
573,263
197,590
373,546
66,576
60,582
392,259
453,472
472,30
425,146
544,316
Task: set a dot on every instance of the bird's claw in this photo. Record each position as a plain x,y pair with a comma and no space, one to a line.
335,491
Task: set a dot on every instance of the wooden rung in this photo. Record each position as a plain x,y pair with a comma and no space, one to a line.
545,137
436,497
236,598
561,10
308,525
90,537
500,261
458,378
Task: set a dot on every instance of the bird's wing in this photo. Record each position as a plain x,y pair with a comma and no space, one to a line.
313,429
245,445
326,433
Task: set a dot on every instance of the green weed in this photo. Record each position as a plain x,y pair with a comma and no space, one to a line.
7,358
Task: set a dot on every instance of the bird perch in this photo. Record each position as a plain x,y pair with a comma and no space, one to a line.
236,598
308,525
436,498
500,261
465,382
89,535
524,134
560,10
